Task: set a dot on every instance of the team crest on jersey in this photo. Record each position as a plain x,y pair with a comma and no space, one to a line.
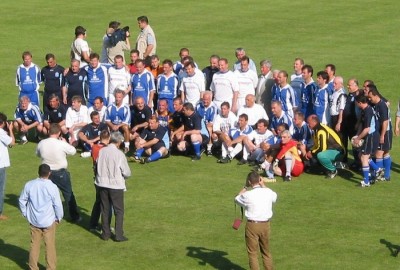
57,74
59,114
80,78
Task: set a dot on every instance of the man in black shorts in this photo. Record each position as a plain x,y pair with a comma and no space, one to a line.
90,134
368,132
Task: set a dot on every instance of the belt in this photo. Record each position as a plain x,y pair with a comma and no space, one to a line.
256,221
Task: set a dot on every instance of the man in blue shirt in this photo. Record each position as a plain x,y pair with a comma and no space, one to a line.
97,79
28,78
118,117
167,85
27,116
75,84
143,84
53,78
40,204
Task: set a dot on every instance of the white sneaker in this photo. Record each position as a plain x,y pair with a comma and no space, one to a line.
86,154
363,184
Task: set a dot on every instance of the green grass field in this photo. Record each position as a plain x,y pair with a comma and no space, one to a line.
179,213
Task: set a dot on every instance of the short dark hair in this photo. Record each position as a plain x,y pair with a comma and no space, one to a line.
143,19
94,113
253,177
188,106
49,56
324,75
44,170
167,62
114,25
226,103
361,99
244,116
79,30
309,68
54,129
3,118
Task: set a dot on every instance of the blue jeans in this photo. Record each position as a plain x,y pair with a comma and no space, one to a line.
2,187
62,179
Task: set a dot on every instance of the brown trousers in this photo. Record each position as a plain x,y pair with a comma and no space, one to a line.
49,237
257,238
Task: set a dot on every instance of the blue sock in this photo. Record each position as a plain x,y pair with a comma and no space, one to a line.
379,162
373,165
365,171
197,146
155,156
387,163
139,152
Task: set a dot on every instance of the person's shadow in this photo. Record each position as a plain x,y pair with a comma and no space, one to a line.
16,254
214,258
394,249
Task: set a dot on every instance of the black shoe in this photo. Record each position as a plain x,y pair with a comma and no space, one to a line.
224,160
196,158
252,162
242,162
76,220
287,178
209,153
104,237
122,239
331,174
144,160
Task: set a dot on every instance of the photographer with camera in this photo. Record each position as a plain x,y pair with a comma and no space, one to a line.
6,140
257,200
115,42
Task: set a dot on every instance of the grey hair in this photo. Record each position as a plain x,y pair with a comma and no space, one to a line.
116,137
266,63
287,132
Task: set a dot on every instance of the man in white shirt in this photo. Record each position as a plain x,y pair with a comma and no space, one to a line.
257,201
193,84
119,78
76,118
247,80
79,48
254,111
225,86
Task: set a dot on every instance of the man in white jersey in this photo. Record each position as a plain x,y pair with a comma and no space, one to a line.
254,111
225,86
76,118
193,84
223,122
247,80
119,77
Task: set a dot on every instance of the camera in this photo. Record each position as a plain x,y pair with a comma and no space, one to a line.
118,35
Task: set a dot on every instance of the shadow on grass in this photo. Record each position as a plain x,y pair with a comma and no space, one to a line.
16,254
12,200
394,249
214,258
395,167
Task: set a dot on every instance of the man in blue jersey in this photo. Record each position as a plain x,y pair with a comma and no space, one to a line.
98,106
97,79
284,93
279,117
321,102
55,114
143,84
53,78
179,65
118,117
90,134
308,91
296,79
194,131
382,155
367,131
153,140
163,115
27,116
168,85
208,111
75,84
330,69
28,78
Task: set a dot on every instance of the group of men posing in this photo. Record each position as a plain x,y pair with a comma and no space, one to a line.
178,106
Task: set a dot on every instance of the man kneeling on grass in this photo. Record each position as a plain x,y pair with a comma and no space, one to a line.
153,140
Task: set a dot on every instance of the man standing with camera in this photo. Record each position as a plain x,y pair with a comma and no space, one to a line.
257,201
115,42
6,140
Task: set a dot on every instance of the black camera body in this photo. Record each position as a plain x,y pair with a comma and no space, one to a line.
118,35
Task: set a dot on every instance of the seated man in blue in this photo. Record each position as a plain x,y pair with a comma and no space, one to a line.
90,134
194,131
27,116
118,117
153,140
